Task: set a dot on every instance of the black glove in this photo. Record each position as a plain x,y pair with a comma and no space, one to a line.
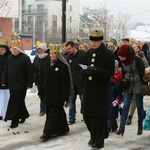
83,72
92,70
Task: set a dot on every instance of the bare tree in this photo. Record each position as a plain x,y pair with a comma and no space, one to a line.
5,7
121,25
101,19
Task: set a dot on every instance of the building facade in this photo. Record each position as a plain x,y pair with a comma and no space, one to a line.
43,19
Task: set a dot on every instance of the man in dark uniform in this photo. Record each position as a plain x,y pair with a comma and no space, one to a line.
74,58
100,68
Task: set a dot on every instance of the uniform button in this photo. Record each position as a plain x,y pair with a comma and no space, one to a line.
90,78
93,54
70,61
92,65
92,60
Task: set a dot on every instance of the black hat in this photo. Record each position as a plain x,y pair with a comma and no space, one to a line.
125,39
96,35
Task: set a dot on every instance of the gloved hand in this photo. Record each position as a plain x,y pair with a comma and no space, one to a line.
115,102
83,72
91,70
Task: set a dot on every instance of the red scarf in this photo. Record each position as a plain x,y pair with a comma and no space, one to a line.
128,59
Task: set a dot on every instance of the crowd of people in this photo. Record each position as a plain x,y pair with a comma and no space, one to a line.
62,72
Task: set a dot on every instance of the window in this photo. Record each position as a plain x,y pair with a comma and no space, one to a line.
70,7
29,8
54,23
70,19
40,8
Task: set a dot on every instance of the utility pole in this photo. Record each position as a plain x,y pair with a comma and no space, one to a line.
34,30
63,21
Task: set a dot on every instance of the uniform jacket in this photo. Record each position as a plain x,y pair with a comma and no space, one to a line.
96,90
38,64
74,61
18,72
3,59
55,84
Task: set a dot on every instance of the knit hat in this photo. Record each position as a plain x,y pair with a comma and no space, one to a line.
125,51
110,44
128,52
43,46
96,35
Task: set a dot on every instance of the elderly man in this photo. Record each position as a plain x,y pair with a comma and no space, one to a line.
18,74
100,68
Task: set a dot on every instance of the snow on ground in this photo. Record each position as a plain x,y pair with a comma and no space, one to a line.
27,135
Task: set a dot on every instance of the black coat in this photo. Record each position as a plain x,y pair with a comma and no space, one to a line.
3,59
74,61
18,72
55,84
38,64
96,90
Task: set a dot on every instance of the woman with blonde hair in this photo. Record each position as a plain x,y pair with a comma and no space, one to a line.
83,46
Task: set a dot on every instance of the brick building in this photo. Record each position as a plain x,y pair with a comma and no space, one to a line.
6,29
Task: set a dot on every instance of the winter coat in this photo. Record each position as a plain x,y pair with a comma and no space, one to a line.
55,84
38,64
74,61
3,59
135,72
18,72
96,89
114,93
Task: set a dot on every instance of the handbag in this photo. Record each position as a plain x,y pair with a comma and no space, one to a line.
145,90
125,83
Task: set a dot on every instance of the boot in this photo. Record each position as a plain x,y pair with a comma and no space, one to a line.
129,120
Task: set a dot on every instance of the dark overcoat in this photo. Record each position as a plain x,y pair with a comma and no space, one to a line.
3,59
96,90
38,64
74,61
18,72
55,83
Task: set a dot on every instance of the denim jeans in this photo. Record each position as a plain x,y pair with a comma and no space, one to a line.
72,106
139,105
42,106
42,102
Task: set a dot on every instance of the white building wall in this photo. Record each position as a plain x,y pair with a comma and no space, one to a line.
55,8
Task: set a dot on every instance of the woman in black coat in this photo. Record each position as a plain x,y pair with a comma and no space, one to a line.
4,91
56,85
38,64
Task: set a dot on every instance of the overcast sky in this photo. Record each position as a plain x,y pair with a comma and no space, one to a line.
138,9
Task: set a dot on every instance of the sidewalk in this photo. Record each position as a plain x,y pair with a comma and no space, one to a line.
26,136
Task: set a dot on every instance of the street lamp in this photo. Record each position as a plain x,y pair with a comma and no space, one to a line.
63,21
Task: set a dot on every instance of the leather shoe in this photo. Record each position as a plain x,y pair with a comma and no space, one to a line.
13,126
44,137
91,142
22,120
71,122
139,132
97,146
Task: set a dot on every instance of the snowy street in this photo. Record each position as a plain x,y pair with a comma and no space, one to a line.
27,135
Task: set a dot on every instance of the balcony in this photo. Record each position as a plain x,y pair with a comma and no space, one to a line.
34,11
30,23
